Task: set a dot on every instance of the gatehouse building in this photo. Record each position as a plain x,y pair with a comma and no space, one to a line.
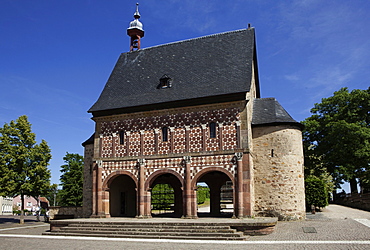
190,112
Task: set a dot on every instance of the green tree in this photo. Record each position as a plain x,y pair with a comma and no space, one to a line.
316,192
337,136
71,180
23,164
53,195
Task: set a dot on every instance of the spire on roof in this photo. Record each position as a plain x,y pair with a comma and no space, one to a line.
135,31
137,14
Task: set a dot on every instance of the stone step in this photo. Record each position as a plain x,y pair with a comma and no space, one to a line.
173,233
150,226
152,236
148,229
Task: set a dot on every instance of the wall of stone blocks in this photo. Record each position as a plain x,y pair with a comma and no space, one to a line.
278,172
87,181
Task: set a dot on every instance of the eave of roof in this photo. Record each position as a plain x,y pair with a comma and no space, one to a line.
268,111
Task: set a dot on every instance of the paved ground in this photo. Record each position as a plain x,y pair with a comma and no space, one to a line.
337,227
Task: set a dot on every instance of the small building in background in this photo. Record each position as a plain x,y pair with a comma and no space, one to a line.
6,204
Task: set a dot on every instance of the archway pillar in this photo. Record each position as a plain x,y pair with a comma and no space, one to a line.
189,196
142,199
98,208
243,186
106,203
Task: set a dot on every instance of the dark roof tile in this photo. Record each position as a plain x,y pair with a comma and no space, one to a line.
267,111
202,67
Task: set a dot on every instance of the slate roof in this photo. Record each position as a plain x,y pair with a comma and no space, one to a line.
89,141
214,65
268,111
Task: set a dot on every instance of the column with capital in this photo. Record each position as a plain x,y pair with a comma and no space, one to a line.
239,186
188,192
141,198
99,193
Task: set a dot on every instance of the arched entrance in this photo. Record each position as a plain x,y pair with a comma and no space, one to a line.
221,192
122,196
170,187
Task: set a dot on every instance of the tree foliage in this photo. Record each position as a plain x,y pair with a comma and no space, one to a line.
71,180
337,136
316,192
202,194
23,163
163,197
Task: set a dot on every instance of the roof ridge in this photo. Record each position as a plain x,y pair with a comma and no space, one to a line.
190,39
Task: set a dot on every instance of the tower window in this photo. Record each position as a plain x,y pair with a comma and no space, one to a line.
121,137
212,130
164,134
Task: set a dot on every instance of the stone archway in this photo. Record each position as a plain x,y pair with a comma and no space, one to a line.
122,188
220,183
173,179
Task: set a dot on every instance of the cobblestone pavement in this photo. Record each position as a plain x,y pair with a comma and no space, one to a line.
336,227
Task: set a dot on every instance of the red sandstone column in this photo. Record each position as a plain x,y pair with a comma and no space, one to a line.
99,201
247,186
239,171
141,163
106,203
188,194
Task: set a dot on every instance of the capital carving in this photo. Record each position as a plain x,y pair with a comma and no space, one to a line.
187,159
239,156
99,163
237,123
141,161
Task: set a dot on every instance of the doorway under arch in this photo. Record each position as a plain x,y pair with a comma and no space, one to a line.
221,194
122,197
170,187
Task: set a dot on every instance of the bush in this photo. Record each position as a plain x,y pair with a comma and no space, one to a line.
202,194
316,192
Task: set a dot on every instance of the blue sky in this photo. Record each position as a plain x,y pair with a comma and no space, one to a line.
56,56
